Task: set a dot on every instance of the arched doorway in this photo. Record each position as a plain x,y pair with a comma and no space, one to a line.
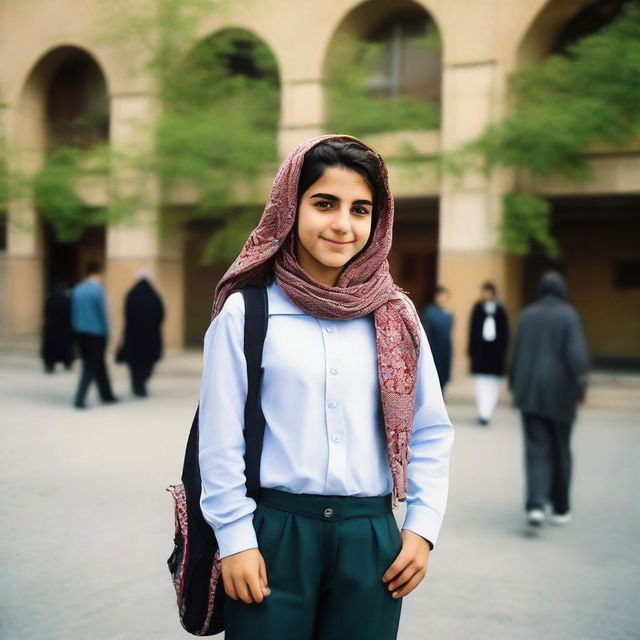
230,89
383,77
66,113
383,70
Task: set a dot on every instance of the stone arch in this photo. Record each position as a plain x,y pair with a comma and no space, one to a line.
371,11
48,69
64,102
559,22
396,26
397,48
244,36
231,51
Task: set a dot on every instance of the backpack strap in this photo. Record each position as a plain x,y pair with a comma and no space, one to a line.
255,330
256,317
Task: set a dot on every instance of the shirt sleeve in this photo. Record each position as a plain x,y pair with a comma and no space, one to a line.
430,445
223,391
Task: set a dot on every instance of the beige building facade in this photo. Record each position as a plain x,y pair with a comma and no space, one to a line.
446,227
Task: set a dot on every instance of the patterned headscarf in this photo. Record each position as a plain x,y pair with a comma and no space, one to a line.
365,286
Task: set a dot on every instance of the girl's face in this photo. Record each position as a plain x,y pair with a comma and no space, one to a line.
334,223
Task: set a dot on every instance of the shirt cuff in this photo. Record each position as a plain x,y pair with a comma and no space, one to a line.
236,536
423,521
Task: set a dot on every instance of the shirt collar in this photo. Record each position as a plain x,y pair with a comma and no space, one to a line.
279,304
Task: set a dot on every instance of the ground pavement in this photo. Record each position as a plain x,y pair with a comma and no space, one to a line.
86,525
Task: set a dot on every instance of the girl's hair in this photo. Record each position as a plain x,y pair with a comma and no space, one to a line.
350,155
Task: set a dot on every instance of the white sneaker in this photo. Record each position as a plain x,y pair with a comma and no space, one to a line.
535,517
560,518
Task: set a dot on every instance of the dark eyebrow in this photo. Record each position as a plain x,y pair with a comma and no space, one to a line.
325,196
328,196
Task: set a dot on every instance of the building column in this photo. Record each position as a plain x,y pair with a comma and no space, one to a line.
302,112
471,205
24,273
142,240
25,253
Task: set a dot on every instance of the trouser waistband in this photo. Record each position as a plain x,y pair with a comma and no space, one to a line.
327,508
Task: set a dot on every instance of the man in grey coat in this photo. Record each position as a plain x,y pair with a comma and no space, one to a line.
548,378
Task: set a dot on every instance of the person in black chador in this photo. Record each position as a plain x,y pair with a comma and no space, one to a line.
437,321
488,342
142,344
57,333
548,377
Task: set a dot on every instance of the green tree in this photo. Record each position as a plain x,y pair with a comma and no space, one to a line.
356,107
219,112
219,104
562,107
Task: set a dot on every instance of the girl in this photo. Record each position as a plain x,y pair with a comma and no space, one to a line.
354,413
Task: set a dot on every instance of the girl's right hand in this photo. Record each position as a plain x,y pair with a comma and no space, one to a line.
244,576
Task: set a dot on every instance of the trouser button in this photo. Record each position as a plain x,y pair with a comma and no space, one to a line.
328,513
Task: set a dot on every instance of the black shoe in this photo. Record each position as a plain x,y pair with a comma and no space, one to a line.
79,405
483,422
111,400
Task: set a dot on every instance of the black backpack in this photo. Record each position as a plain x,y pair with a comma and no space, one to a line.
194,563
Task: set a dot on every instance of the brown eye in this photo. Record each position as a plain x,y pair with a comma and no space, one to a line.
360,211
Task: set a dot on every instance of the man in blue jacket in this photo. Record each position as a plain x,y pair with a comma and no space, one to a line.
90,324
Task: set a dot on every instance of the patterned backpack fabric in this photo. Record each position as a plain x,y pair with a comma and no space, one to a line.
194,563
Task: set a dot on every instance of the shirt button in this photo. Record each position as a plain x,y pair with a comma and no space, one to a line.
328,513
334,371
336,439
330,328
333,404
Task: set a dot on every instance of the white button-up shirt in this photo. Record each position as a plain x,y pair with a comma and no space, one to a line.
324,432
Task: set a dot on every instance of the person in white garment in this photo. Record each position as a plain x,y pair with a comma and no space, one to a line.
487,350
355,420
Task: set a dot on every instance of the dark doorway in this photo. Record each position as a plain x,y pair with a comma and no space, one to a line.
414,255
599,237
67,261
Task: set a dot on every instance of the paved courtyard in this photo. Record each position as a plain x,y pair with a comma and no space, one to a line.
86,525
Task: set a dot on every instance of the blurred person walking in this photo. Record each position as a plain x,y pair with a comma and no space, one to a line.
57,333
437,320
488,343
548,377
91,327
141,347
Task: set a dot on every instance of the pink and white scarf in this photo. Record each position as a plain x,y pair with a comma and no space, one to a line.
365,286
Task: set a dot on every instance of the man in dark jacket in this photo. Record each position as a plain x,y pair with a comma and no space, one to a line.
142,344
488,344
548,378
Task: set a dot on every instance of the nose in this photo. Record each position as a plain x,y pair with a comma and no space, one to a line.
341,221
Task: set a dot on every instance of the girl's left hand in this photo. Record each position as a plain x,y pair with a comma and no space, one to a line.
410,567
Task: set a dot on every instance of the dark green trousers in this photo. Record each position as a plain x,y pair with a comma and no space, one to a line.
325,558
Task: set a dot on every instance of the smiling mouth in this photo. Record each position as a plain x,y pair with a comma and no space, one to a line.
340,244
